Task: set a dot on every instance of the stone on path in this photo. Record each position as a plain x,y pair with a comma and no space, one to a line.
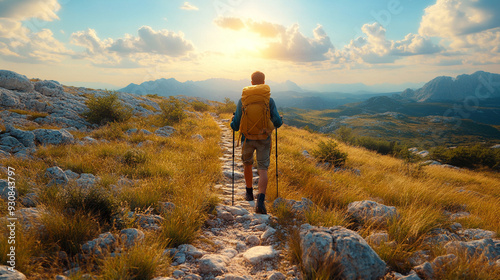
258,254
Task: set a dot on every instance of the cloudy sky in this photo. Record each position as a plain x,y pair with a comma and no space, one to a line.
317,41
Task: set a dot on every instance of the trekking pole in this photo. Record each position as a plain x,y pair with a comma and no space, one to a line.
232,199
277,193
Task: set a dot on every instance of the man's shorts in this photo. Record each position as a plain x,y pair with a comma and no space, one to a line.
263,148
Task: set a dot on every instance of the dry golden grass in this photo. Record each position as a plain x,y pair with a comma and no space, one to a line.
421,194
180,169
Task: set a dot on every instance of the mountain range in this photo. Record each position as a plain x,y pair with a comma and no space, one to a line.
481,85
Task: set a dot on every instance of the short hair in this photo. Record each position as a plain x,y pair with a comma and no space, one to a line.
258,77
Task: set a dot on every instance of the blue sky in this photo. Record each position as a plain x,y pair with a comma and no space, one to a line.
366,41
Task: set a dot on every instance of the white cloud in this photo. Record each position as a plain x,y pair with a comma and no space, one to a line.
189,6
470,28
374,47
147,48
283,43
450,18
26,9
22,36
294,46
230,23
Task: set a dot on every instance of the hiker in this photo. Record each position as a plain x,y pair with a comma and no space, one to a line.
256,116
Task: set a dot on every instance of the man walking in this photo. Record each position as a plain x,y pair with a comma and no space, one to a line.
256,116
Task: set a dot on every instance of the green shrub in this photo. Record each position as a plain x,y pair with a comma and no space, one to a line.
172,111
134,157
106,108
228,107
469,157
345,134
329,152
199,106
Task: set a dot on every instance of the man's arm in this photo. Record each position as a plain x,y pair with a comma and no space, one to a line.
275,116
235,124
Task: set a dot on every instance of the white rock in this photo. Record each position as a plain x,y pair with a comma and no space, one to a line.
6,274
214,264
131,236
14,81
52,136
237,210
258,254
56,176
276,276
165,131
252,240
268,234
356,257
377,238
371,211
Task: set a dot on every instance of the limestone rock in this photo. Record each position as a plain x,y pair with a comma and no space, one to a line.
356,257
489,247
86,180
6,274
105,242
377,238
213,264
276,276
476,233
10,144
52,136
257,254
14,81
165,131
4,190
368,211
300,207
27,138
49,88
56,176
131,236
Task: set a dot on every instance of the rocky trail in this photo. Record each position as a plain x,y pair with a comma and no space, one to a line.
236,243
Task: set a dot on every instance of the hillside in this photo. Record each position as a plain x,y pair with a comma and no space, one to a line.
149,195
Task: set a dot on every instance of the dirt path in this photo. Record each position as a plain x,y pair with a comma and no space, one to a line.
236,243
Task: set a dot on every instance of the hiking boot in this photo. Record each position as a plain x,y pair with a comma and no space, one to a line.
249,194
261,207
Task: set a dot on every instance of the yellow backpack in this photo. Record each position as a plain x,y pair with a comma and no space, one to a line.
256,121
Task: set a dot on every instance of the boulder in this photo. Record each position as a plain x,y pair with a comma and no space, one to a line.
321,245
300,207
56,176
4,189
9,99
258,254
131,236
165,131
191,251
49,88
27,138
104,243
213,264
476,233
490,248
7,274
52,136
368,211
11,144
14,81
86,180
71,175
